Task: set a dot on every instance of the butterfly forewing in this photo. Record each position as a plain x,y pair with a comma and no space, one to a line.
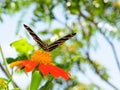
60,41
36,38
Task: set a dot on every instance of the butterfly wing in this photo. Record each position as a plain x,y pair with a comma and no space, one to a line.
36,38
60,41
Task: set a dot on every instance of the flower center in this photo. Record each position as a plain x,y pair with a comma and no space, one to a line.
42,57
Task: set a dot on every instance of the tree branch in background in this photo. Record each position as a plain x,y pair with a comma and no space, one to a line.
84,74
96,70
107,39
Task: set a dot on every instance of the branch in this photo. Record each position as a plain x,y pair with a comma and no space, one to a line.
96,70
107,39
84,74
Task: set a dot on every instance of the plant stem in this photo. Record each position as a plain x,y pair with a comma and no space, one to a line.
6,68
2,68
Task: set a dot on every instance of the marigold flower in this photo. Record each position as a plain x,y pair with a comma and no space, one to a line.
43,60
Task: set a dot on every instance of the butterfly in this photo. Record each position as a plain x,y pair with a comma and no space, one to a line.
53,45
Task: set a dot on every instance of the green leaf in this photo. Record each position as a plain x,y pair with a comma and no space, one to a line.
102,70
57,30
47,86
43,32
1,20
36,80
22,46
79,58
10,60
19,57
105,76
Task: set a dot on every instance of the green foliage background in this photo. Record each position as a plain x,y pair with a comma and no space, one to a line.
84,17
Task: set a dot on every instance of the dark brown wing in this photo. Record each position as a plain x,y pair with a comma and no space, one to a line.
36,38
60,41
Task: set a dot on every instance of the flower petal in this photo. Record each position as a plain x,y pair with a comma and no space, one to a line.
16,63
44,69
54,70
29,65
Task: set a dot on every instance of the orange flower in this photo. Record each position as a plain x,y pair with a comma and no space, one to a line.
43,60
